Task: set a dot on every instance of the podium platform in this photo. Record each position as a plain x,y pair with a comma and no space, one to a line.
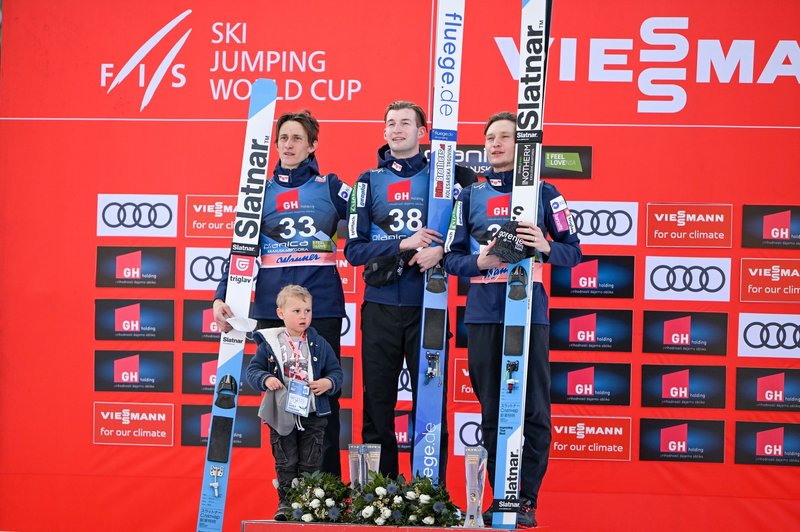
275,526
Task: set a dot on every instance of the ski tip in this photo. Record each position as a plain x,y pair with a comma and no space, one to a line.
264,93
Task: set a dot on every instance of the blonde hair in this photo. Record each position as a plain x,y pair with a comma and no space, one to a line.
292,291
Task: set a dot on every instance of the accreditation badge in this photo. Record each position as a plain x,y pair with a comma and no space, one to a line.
299,398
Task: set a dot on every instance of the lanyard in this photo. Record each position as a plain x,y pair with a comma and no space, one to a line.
297,354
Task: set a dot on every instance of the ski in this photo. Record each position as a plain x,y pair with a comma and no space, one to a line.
522,275
241,271
431,392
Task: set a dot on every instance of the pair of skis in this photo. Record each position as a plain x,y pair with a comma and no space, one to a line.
430,393
242,269
524,206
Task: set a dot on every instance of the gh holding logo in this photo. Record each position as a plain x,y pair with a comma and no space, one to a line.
136,62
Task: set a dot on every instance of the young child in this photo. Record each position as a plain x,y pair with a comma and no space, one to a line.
297,369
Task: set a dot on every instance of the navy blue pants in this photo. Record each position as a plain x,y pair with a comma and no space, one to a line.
484,348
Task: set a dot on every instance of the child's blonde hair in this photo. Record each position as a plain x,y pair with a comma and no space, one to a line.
292,291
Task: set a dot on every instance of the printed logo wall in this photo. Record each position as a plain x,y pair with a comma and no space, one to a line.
151,140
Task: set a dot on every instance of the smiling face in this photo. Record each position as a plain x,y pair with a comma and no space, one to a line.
500,145
296,315
293,145
403,133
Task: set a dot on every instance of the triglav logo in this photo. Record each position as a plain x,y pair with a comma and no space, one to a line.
136,61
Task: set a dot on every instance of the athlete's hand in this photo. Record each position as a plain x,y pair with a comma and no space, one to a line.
427,258
221,313
273,383
486,261
531,235
421,239
320,386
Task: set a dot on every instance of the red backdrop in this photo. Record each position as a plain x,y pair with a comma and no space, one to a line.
724,131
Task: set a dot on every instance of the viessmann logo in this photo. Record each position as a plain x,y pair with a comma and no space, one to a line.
664,52
151,79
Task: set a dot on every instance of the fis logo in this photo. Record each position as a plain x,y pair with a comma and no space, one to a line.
675,439
583,328
209,325
769,442
136,62
675,385
208,373
498,206
288,201
127,319
400,191
581,382
777,226
126,370
585,275
129,266
770,388
678,331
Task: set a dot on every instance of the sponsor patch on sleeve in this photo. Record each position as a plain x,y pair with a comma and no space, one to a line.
558,204
560,219
361,194
344,191
352,226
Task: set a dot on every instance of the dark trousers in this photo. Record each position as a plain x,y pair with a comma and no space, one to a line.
331,330
298,452
484,348
388,335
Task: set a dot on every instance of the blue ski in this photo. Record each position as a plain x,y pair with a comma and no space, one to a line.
244,250
521,276
433,332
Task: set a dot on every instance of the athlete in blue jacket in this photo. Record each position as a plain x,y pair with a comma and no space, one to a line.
298,246
388,215
479,212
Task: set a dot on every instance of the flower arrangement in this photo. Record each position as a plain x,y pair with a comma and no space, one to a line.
318,497
430,505
379,502
322,497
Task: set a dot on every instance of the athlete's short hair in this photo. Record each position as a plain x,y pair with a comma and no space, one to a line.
422,120
503,115
303,118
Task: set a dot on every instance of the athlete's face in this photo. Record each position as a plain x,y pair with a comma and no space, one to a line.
296,315
402,133
293,145
500,145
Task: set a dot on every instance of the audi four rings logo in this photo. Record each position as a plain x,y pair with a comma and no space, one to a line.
602,222
692,278
404,382
144,215
470,434
772,335
137,214
205,269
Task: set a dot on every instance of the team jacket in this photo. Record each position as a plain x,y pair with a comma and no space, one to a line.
480,210
386,205
298,240
323,364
